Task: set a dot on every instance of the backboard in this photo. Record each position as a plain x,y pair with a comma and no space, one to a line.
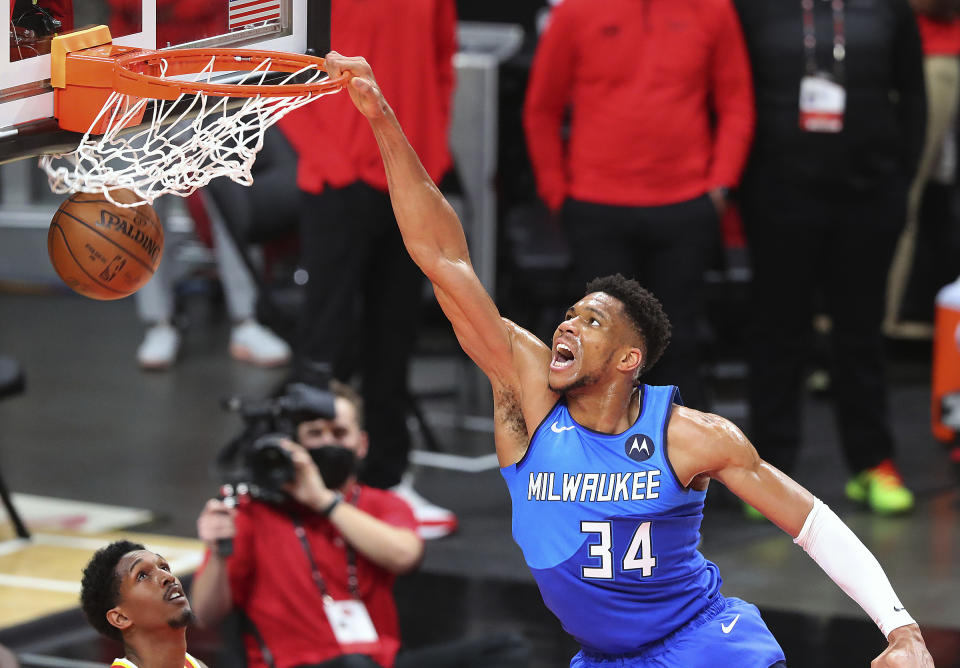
27,126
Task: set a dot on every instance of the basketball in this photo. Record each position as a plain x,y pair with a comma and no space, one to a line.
105,251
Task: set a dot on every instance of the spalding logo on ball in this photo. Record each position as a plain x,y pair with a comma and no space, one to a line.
105,251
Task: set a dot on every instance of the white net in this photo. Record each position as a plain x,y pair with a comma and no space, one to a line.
183,145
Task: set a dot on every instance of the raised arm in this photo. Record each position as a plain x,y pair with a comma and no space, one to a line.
707,446
431,230
514,360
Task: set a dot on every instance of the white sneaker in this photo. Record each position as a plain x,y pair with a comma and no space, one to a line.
432,520
252,342
159,348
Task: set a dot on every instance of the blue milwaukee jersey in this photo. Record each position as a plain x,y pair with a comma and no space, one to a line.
608,531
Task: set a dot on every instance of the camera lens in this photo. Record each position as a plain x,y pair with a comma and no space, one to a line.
270,465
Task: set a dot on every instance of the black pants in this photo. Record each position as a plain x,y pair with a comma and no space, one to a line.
667,249
812,247
502,650
362,311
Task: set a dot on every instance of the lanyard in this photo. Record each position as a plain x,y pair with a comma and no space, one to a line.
810,38
353,582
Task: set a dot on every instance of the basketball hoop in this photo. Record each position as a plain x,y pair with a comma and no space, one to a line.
196,128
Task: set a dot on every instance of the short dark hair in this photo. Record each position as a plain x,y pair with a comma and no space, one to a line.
100,587
644,310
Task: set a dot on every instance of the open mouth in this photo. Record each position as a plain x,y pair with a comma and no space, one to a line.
175,593
562,357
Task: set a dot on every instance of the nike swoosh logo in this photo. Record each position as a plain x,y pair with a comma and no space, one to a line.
896,609
557,429
728,629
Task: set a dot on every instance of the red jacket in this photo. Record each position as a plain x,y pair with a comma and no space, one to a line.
410,44
661,97
939,38
271,581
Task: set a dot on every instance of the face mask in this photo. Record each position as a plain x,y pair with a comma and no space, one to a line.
335,462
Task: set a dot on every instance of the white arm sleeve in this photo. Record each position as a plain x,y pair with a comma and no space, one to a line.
848,562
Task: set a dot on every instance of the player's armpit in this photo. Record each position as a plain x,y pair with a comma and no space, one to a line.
516,362
701,443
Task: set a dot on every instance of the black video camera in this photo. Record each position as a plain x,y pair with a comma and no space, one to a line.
256,456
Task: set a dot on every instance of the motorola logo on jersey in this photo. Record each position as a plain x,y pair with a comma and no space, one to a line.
639,447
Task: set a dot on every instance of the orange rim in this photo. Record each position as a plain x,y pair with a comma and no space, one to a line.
138,73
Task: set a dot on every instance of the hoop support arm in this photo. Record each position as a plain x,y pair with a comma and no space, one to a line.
62,45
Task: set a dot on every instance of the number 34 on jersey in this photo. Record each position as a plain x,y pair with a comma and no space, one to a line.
638,557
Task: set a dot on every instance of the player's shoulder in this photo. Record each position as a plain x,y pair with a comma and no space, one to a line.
519,332
522,340
690,428
527,354
703,442
530,362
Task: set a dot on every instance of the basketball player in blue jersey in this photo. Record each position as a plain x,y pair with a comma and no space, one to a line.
607,475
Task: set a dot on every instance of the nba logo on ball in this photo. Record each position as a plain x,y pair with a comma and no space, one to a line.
102,250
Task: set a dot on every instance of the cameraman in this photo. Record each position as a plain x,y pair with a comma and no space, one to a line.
315,576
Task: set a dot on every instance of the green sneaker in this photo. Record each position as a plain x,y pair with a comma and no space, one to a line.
882,489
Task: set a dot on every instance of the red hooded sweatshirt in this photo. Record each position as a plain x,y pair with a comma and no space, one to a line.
410,45
661,97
